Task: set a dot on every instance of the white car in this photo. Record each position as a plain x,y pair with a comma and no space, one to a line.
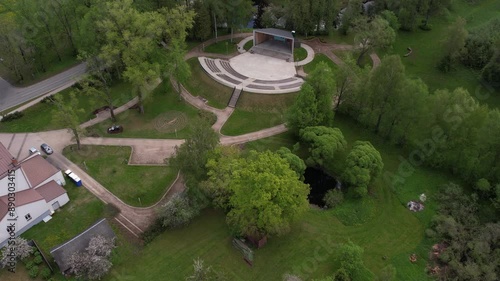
34,150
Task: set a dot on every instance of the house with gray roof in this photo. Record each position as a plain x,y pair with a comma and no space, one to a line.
30,191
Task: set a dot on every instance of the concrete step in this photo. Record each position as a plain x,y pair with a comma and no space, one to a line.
234,98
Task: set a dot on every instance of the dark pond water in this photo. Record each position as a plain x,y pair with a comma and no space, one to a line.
320,183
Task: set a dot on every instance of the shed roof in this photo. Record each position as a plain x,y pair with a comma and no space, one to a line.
79,243
276,32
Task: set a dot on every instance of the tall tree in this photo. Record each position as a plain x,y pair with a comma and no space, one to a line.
66,115
375,34
363,164
324,144
433,7
267,195
238,13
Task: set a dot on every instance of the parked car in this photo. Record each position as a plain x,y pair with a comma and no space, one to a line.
46,148
34,151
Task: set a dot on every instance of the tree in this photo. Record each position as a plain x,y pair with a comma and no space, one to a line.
266,195
391,18
432,7
313,106
177,212
363,164
296,163
333,198
191,156
376,34
66,115
324,144
453,43
21,251
238,13
483,186
93,263
351,13
351,259
201,28
491,71
341,275
204,273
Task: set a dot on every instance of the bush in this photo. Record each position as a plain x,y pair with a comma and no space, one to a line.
12,116
207,116
483,185
153,230
177,212
33,272
333,198
425,27
36,253
45,273
445,64
38,260
29,265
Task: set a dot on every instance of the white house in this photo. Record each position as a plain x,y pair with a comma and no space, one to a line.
34,186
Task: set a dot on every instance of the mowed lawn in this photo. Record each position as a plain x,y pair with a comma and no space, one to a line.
161,109
204,86
39,117
256,112
381,224
427,50
308,68
109,166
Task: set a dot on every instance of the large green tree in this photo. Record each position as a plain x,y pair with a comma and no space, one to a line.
265,194
371,35
66,115
324,144
363,164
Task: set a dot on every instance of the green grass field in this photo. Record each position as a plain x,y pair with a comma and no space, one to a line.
162,102
257,111
202,85
248,45
39,117
109,166
299,54
308,68
427,50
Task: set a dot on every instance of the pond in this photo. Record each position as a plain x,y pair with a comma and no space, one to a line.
320,183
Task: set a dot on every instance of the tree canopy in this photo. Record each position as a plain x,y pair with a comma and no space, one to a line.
263,194
363,164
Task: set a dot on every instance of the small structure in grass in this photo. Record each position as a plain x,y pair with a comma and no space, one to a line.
244,249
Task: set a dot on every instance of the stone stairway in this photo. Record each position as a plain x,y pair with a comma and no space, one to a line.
234,98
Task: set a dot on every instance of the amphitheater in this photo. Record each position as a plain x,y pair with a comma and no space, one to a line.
267,68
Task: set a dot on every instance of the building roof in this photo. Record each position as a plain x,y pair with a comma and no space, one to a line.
22,198
79,243
50,191
37,169
276,32
5,161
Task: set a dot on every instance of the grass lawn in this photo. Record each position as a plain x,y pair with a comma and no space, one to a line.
162,102
108,165
224,47
366,60
299,54
308,68
257,111
202,85
248,45
427,50
39,117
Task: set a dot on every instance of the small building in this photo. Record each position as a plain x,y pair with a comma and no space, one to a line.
30,193
273,42
79,243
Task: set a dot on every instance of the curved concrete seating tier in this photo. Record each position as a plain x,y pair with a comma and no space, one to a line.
222,71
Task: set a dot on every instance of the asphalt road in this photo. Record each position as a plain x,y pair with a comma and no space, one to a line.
11,96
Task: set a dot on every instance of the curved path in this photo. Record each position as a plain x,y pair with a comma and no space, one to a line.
137,219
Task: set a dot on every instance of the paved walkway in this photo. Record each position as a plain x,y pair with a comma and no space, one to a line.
242,43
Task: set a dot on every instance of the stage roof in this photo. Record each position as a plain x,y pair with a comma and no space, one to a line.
276,32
